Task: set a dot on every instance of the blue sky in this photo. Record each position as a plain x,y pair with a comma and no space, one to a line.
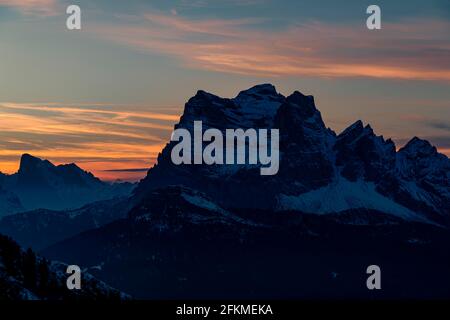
107,96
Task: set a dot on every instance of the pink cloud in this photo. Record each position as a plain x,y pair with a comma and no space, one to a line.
32,7
415,49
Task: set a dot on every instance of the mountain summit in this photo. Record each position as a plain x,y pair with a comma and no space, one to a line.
43,173
40,184
317,166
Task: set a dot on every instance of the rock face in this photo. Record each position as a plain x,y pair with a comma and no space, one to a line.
41,185
420,180
360,154
412,183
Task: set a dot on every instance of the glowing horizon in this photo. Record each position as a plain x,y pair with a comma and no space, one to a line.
107,141
93,137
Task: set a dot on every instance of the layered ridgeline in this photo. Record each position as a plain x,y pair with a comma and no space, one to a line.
40,228
39,184
338,204
319,172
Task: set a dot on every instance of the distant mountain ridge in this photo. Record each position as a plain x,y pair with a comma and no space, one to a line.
40,184
40,228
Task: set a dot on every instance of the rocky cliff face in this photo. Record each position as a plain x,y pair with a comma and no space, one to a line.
316,165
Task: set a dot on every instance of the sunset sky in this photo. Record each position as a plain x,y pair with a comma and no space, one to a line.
107,96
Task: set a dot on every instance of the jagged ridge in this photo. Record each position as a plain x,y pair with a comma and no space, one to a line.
411,183
40,184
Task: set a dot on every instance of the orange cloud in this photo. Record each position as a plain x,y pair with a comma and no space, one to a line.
414,49
122,114
97,138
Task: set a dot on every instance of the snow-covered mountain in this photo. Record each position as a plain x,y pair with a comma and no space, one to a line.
320,172
41,184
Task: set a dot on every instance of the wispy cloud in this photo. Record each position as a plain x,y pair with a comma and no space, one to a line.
427,121
221,3
33,7
95,137
439,124
414,49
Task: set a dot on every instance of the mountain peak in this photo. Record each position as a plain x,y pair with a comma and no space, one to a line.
72,166
416,141
74,170
201,94
297,96
357,127
368,128
355,131
28,157
29,162
41,184
265,89
416,145
304,102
